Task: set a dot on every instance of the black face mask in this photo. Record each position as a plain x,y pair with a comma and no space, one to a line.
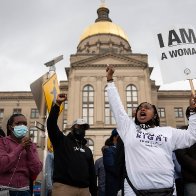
78,133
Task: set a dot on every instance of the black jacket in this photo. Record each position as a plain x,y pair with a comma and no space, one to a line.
71,166
187,159
112,183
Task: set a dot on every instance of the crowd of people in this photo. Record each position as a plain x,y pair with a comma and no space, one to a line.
139,158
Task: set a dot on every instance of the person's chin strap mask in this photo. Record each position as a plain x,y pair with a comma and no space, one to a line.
79,133
148,124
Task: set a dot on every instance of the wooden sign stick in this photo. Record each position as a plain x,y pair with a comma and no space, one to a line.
192,86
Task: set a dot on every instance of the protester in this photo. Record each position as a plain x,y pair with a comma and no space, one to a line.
179,185
49,166
187,159
120,164
148,147
109,154
74,171
18,158
100,173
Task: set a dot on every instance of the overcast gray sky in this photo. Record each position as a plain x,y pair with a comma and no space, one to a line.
32,32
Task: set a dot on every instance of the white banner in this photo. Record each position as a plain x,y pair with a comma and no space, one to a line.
177,53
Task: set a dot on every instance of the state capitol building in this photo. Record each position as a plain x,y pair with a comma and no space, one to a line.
102,43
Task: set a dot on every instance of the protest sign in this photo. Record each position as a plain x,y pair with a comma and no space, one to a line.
51,90
176,48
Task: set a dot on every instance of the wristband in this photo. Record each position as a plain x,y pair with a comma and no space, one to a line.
110,80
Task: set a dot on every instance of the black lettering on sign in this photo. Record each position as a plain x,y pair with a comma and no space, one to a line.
163,56
193,51
187,36
173,37
187,51
173,53
160,38
181,52
183,36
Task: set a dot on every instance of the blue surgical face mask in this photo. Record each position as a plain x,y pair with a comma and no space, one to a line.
20,131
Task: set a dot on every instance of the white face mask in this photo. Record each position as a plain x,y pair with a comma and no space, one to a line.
20,131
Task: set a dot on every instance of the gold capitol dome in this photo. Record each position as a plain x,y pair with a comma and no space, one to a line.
103,25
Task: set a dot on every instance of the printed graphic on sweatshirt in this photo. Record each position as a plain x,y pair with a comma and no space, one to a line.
79,149
151,140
